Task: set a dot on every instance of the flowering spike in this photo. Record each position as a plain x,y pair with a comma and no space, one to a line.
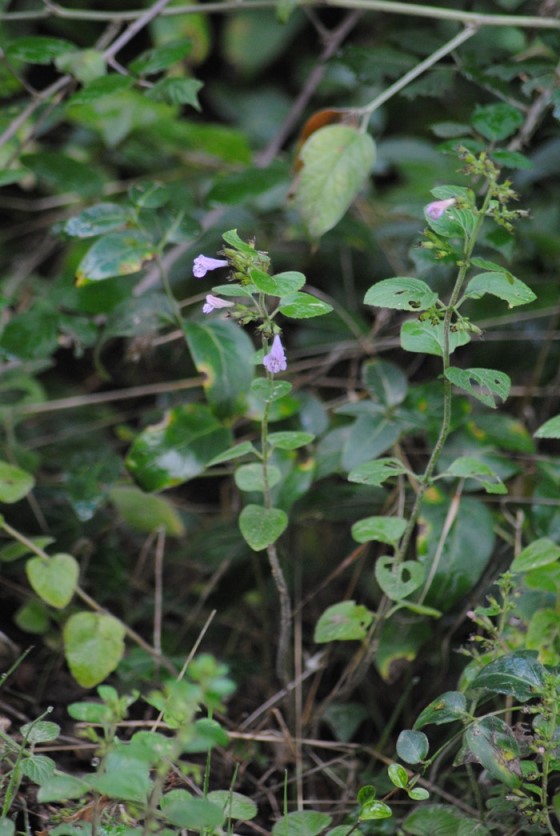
436,209
275,360
214,303
202,264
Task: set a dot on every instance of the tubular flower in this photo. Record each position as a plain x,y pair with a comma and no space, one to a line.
436,209
214,303
275,360
202,264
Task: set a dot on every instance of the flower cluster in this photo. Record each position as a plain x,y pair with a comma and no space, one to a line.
275,360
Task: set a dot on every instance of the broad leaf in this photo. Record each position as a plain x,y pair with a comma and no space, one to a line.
116,254
304,823
401,294
412,746
483,384
289,440
261,526
518,674
251,477
54,579
282,284
93,646
550,428
398,580
493,744
386,382
336,161
146,512
425,338
447,708
234,804
97,220
467,467
377,472
345,621
503,285
540,552
224,354
178,448
303,306
497,121
15,483
380,529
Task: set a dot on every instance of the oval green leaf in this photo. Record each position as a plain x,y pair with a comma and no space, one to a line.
15,483
379,529
54,579
346,621
115,254
412,746
93,646
336,161
401,294
260,526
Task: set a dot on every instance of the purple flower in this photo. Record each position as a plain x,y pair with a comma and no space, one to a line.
275,360
214,303
436,209
202,264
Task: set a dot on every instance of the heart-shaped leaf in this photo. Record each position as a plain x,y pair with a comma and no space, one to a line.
54,579
260,526
93,645
398,580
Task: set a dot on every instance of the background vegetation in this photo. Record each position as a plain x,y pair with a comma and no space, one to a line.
210,552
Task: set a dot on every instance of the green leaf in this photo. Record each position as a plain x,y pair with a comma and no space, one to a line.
41,731
377,472
289,440
93,646
401,294
236,452
374,810
380,529
503,285
97,220
418,794
223,353
124,778
282,284
242,186
54,579
412,746
198,814
270,390
146,512
15,483
32,335
385,381
61,787
38,768
482,384
447,708
251,477
177,91
303,306
442,820
494,746
261,527
398,580
496,121
398,775
467,467
36,49
518,674
234,804
304,823
116,254
370,436
178,448
425,338
99,88
345,621
336,160
550,428
7,826
85,65
160,57
540,552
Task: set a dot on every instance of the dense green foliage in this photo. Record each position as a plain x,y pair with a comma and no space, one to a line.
279,477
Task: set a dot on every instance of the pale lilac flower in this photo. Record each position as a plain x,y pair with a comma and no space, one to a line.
214,303
275,360
436,209
202,264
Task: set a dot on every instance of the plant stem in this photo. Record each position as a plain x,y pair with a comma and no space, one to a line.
425,480
283,666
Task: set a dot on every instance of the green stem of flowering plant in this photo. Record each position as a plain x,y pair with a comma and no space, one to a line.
283,666
425,481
